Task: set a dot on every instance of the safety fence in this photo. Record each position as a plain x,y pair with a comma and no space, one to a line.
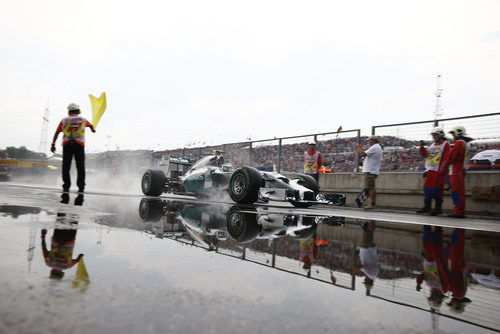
286,153
481,312
275,254
401,140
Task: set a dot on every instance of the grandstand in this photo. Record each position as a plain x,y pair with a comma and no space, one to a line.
338,154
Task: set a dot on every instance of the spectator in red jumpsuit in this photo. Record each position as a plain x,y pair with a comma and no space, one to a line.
459,162
435,156
445,269
434,275
457,272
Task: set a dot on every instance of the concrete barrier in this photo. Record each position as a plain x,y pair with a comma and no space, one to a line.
405,189
480,247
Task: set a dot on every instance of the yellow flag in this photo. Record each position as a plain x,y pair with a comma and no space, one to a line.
81,280
81,271
98,107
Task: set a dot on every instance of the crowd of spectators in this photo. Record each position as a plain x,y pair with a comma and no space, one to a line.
339,154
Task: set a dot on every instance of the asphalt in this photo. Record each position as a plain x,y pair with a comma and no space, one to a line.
148,275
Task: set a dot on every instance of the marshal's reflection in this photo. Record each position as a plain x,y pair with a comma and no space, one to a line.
456,276
60,255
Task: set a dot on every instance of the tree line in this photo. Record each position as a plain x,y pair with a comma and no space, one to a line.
20,153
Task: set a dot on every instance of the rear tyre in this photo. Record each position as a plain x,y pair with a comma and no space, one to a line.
242,225
244,185
153,182
150,210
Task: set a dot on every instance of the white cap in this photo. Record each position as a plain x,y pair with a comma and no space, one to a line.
73,106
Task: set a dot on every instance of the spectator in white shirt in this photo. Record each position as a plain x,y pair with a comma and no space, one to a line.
368,265
371,168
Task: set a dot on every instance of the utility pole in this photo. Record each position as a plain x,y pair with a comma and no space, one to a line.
32,241
42,148
438,109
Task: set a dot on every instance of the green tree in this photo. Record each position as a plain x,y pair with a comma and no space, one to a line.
21,153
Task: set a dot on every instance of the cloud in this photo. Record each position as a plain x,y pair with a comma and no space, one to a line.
175,72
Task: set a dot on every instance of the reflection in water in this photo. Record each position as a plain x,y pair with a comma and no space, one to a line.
324,249
445,269
15,211
60,255
368,261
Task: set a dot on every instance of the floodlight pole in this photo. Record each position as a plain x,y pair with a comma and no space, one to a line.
438,109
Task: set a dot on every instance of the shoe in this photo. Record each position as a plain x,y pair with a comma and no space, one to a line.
427,206
437,209
368,206
363,223
79,200
65,198
454,215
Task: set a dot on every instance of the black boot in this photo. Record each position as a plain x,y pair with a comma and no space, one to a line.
438,208
427,206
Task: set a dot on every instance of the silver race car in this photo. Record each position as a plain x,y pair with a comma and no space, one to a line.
245,185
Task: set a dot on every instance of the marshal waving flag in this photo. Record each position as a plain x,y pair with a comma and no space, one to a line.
98,107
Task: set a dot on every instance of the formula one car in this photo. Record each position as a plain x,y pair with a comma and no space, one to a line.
245,185
208,224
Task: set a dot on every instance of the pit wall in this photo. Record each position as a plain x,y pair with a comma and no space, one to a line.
405,190
479,246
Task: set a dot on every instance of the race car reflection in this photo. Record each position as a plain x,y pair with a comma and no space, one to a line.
207,224
388,261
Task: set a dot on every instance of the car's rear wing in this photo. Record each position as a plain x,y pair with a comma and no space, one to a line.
174,166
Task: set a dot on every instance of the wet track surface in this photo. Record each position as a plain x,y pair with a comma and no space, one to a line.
159,265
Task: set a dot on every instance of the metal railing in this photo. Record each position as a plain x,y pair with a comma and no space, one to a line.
401,140
480,127
285,153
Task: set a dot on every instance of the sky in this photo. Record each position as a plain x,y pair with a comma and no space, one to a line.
180,73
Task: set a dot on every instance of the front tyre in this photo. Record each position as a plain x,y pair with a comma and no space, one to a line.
308,181
244,185
153,182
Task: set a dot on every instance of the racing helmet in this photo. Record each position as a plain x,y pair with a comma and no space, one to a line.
73,107
458,130
439,131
